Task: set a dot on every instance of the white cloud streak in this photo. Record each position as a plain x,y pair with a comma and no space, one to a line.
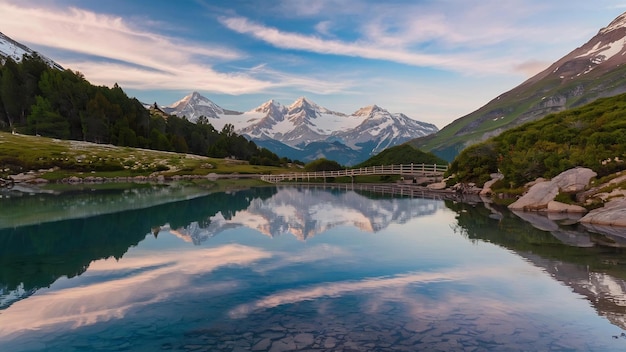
136,58
363,49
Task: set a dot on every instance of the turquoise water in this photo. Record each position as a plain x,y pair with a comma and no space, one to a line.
295,268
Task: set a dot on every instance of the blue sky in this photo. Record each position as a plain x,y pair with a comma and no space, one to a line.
435,61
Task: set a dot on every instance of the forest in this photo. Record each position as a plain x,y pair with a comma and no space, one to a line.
39,100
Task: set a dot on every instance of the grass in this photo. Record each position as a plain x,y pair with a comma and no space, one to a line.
56,159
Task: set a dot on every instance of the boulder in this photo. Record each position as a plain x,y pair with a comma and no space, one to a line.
558,207
542,193
574,180
487,186
437,186
537,197
612,214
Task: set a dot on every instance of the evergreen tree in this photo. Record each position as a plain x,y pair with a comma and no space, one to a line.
11,93
44,121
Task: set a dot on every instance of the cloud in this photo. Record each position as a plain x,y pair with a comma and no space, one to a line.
363,49
114,50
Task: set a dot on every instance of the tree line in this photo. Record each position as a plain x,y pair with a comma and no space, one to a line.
39,100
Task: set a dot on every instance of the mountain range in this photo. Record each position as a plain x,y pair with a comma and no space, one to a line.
592,71
306,131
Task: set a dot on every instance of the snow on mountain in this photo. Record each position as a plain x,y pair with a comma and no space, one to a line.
605,51
298,124
9,48
303,123
193,106
382,129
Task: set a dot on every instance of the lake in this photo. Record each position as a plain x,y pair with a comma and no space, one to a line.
302,268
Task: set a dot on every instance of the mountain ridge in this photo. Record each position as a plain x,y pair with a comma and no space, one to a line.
594,70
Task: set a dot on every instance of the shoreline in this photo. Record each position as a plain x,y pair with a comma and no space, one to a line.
32,182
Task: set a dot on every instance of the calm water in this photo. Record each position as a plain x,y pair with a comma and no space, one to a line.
281,269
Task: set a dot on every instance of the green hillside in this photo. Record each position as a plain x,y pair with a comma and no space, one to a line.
402,154
592,136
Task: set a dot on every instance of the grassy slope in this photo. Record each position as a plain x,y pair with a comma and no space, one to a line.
22,153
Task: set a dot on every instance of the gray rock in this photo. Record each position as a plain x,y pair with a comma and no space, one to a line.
612,214
558,207
487,186
537,197
574,180
437,186
262,345
542,193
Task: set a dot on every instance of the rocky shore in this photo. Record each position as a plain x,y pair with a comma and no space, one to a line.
608,200
34,178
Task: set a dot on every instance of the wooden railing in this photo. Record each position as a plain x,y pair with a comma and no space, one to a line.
415,170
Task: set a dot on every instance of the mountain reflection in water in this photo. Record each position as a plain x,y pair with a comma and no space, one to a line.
37,253
306,212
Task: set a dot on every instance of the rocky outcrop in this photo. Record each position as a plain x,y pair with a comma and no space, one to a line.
574,180
612,214
540,197
558,207
487,186
537,197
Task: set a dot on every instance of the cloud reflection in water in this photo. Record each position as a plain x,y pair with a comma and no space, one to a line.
164,276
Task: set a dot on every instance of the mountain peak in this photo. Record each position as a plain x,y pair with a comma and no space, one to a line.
195,105
368,110
268,106
591,71
302,102
617,23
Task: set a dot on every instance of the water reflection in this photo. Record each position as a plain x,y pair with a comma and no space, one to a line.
35,256
253,267
153,279
589,259
305,212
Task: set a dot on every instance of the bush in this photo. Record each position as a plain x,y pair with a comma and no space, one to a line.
322,165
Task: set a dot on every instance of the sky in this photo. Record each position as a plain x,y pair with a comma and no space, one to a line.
433,60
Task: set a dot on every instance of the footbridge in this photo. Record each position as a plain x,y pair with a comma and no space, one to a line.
405,170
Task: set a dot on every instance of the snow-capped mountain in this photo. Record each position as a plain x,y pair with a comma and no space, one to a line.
9,48
381,129
307,131
195,105
298,124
